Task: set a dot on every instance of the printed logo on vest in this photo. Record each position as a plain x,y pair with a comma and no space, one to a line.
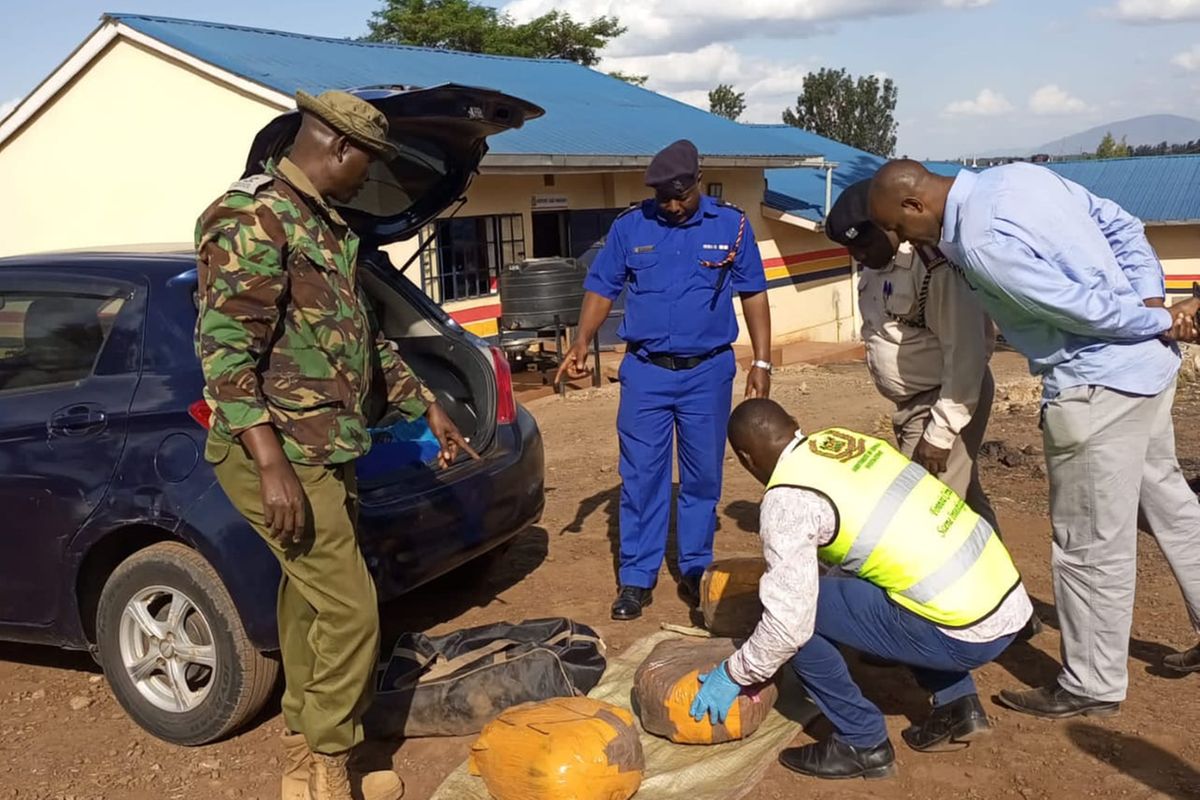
838,446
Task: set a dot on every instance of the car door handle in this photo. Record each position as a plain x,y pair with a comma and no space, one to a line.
77,420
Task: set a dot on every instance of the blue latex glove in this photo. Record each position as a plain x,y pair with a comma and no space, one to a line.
717,695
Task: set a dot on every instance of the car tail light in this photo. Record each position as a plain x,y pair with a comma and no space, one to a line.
200,412
506,402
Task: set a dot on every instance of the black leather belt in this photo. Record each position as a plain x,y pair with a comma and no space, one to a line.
676,363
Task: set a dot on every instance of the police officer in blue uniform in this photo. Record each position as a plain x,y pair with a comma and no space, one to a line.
680,257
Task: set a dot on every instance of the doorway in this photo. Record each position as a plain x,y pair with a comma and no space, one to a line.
551,234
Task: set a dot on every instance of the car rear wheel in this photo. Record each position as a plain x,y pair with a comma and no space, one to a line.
174,650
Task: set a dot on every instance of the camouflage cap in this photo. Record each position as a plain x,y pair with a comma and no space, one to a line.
352,117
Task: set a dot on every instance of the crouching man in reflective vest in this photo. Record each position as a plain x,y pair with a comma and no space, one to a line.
923,581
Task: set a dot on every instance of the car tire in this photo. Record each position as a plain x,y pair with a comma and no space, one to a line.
174,650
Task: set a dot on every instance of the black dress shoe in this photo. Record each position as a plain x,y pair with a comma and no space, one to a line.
834,759
689,590
949,727
630,602
1183,663
1055,702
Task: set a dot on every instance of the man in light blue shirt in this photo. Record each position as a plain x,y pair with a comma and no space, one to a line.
1074,285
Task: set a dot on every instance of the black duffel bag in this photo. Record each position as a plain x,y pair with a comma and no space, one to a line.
455,684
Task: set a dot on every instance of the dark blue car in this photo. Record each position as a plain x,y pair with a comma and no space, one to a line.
117,538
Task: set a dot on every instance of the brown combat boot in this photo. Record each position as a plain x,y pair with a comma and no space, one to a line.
296,761
331,777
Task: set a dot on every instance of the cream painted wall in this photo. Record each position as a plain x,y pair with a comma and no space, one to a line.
131,152
1178,247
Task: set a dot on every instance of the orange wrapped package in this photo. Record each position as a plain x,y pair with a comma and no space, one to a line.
668,680
729,596
568,748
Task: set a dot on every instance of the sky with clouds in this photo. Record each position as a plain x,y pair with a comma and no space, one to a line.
973,75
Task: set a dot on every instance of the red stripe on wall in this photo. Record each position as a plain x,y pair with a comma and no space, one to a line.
800,258
475,314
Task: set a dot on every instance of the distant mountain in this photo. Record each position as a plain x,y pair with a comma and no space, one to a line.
1150,129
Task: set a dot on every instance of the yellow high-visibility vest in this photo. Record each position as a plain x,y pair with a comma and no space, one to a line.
901,528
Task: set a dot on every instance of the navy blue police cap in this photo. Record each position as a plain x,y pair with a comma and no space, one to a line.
675,168
849,224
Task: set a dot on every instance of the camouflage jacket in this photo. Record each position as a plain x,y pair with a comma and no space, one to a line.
283,334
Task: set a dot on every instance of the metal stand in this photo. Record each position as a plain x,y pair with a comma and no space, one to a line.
561,334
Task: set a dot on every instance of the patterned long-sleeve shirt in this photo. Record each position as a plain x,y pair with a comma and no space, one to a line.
282,333
793,524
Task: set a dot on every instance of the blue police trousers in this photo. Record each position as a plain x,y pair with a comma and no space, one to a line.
659,406
854,612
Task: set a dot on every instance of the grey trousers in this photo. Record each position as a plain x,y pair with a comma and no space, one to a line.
1106,452
962,471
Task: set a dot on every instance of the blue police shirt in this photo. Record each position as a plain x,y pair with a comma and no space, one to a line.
1063,273
669,302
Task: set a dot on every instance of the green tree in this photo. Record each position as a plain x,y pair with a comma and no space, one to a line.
725,102
636,80
476,28
1109,147
855,111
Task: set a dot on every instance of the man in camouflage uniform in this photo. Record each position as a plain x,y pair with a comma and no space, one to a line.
289,353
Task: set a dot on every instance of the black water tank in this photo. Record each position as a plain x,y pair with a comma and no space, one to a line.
533,292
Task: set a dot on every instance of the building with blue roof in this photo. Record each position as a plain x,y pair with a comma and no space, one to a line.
151,118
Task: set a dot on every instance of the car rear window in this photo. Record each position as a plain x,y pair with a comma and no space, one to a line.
394,187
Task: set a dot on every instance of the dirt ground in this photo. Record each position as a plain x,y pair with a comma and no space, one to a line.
63,737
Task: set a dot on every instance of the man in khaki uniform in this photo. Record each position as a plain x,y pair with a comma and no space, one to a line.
288,354
928,345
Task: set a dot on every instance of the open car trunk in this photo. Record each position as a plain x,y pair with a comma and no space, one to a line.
456,370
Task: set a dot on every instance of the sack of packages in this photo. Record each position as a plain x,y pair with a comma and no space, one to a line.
729,596
667,682
568,748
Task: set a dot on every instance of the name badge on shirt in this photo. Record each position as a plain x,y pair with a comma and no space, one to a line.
722,247
645,248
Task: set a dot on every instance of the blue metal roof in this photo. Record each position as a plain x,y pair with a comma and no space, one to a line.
801,192
1152,188
587,112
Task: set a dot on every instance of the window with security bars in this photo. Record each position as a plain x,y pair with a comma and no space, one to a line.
468,254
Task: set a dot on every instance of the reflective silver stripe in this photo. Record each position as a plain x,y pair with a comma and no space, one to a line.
945,576
881,517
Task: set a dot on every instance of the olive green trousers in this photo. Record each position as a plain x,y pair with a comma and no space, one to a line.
327,609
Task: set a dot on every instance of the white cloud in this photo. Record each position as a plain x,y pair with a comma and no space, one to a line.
1050,99
987,103
1189,59
660,26
770,85
7,107
1154,10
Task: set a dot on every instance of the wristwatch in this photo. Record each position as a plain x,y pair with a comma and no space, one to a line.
763,365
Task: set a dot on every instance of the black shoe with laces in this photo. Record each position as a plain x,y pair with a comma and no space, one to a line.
630,602
949,727
1183,663
1055,702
